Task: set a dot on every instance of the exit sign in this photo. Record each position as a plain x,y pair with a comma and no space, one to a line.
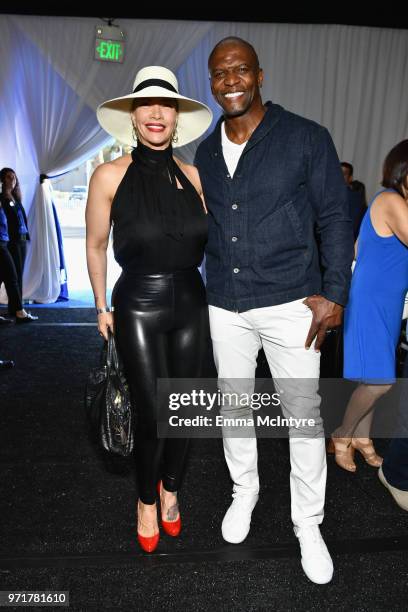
109,50
109,43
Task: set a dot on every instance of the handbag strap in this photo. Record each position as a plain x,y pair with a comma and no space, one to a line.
112,360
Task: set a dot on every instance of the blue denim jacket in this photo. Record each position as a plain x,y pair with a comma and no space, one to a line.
279,230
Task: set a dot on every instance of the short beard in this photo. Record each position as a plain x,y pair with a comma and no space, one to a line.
237,113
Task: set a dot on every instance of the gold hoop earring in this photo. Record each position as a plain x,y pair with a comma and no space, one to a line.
134,132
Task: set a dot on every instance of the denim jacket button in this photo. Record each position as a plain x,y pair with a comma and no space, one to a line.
236,270
234,206
234,239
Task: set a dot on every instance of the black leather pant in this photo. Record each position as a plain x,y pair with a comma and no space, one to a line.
161,331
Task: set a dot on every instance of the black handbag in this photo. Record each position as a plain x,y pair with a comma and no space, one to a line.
107,402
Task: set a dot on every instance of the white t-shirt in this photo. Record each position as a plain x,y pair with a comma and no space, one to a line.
231,151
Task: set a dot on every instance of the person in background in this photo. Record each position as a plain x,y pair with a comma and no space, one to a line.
393,473
372,323
356,196
8,274
17,230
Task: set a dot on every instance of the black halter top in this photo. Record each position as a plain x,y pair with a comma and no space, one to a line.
157,227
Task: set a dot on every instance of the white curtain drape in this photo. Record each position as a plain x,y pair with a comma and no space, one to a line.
350,79
353,80
52,86
52,130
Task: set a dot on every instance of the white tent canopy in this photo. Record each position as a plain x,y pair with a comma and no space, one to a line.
350,79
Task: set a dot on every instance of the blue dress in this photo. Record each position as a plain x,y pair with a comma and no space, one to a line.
372,321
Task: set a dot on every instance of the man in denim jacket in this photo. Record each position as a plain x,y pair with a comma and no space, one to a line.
278,265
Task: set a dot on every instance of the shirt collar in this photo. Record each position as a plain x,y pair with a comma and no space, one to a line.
272,116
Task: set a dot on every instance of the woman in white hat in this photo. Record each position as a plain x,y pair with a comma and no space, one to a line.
154,203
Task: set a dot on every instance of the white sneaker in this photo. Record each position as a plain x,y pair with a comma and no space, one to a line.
237,519
316,561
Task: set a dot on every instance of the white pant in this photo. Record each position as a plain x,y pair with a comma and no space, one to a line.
281,330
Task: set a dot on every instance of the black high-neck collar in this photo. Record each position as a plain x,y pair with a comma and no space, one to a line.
142,151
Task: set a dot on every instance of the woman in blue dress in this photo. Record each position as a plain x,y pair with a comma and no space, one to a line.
372,323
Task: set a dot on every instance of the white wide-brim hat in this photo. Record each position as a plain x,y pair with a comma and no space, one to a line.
194,118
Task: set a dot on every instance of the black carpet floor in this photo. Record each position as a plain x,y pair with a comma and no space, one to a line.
68,510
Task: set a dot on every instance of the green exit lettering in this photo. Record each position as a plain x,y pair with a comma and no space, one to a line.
109,50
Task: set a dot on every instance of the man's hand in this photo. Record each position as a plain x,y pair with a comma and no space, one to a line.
326,315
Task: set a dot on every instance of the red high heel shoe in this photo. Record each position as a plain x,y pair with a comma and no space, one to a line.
172,528
147,543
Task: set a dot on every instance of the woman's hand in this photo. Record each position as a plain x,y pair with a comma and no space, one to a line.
105,320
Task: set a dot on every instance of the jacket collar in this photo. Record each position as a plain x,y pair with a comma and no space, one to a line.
272,116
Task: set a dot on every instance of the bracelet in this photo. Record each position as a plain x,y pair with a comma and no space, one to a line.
106,309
